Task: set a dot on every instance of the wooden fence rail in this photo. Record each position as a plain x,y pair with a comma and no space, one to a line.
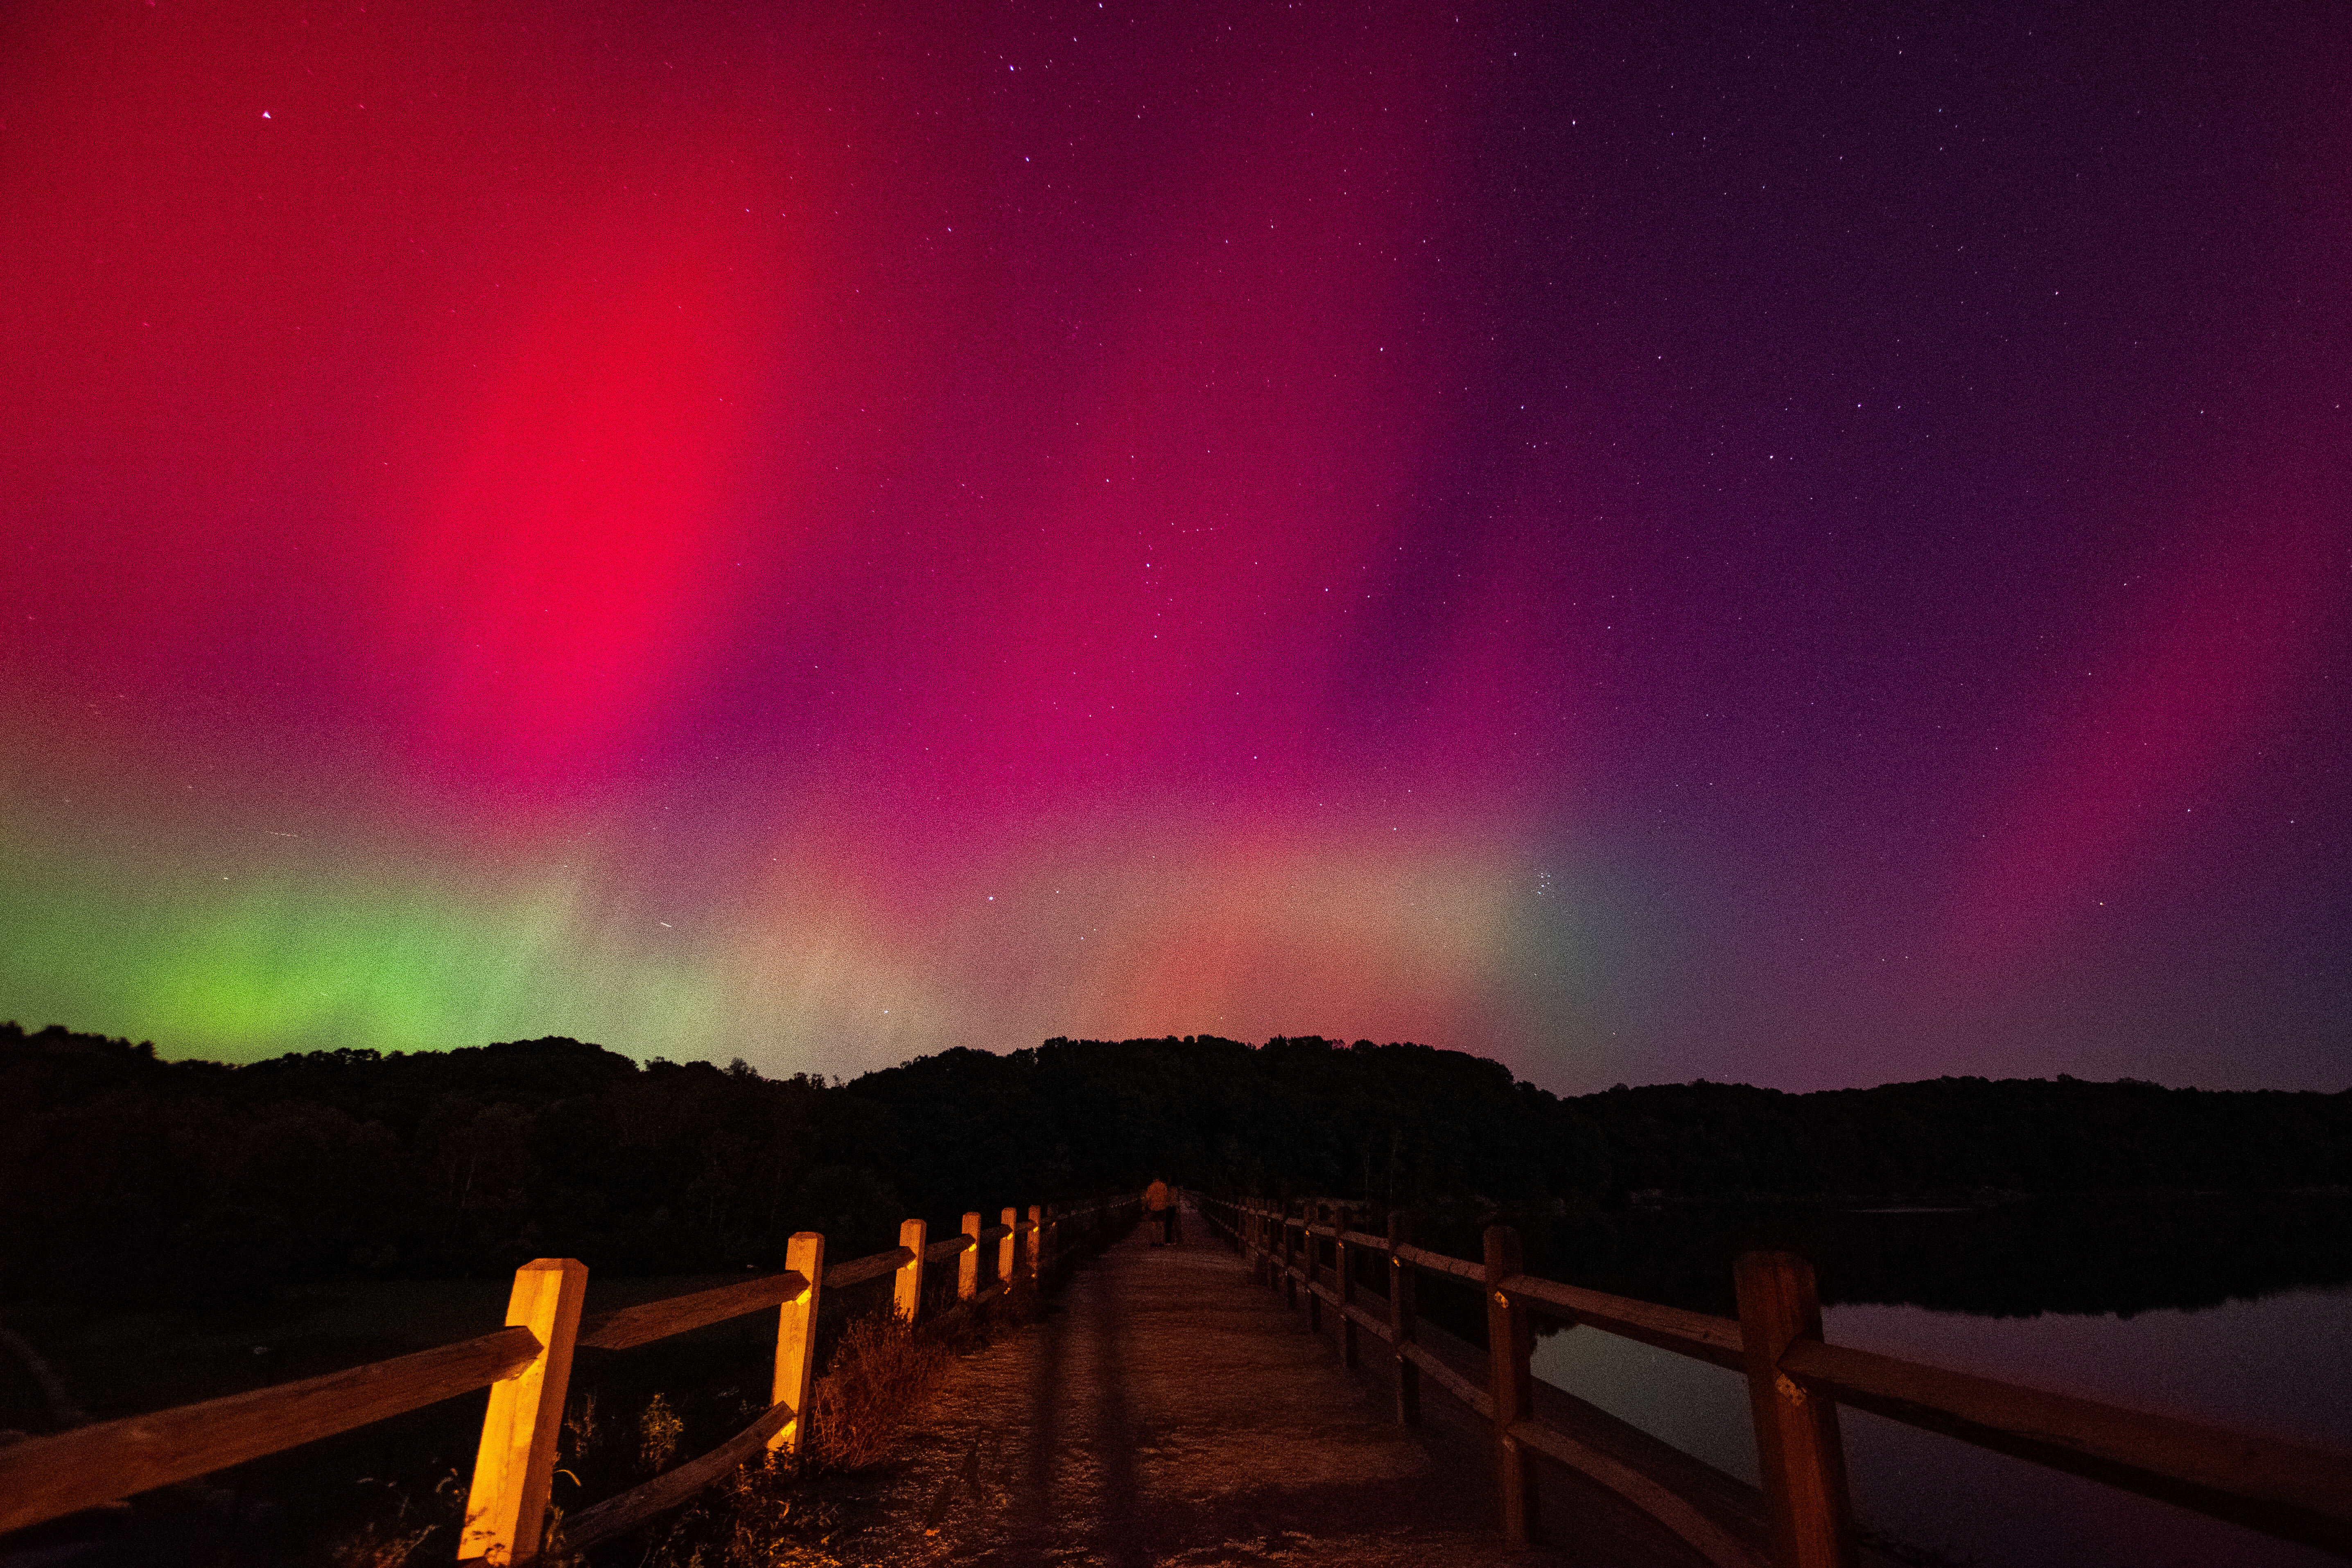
1796,1384
527,1366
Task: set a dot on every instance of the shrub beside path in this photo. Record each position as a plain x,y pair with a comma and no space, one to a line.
1167,1412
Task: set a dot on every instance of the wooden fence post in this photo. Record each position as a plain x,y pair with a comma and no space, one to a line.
968,1262
906,1290
1313,1252
1510,1343
1344,1272
1403,1324
1037,1243
1011,1221
514,1467
795,1383
1797,1443
1289,1261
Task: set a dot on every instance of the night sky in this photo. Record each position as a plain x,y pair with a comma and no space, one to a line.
1810,546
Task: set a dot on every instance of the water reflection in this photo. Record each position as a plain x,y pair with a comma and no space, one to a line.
2185,1317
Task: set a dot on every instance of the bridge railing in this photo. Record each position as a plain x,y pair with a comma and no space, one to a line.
527,1367
1796,1382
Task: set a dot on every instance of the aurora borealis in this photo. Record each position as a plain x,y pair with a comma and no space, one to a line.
1812,548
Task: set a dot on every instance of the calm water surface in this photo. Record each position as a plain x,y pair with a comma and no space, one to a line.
2281,1367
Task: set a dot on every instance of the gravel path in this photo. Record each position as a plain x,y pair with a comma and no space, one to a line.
1169,1412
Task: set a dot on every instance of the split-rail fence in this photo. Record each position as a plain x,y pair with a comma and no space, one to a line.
1795,1385
527,1366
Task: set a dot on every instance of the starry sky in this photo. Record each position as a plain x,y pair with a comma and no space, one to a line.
1805,546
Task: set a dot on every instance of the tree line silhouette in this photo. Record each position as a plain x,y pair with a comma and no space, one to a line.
127,1176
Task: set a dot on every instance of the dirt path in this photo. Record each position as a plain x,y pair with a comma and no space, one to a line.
1169,1412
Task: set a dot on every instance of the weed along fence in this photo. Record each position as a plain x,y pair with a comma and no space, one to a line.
527,1367
1795,1383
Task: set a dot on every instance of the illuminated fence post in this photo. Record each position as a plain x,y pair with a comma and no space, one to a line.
907,1292
1011,1221
1403,1325
968,1262
1510,1343
1037,1242
796,1343
1798,1449
515,1466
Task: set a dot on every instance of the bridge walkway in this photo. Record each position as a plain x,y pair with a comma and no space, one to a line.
1167,1415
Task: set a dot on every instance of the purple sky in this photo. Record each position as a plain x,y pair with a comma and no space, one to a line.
1808,546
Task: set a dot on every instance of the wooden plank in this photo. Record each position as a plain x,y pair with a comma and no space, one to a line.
1510,1385
858,1270
1798,1454
1452,1382
1702,1534
1440,1263
618,1516
2281,1489
796,1375
652,1321
47,1478
1694,1334
1369,1323
514,1467
938,1251
995,1233
1364,1238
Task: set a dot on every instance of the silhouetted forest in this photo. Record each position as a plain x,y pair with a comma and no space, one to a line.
142,1179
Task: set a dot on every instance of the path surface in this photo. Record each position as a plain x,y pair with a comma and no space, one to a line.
1169,1412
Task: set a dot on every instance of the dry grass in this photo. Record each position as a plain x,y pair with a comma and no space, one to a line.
380,1545
884,1376
659,1430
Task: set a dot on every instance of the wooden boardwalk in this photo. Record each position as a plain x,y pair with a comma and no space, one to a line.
1170,1411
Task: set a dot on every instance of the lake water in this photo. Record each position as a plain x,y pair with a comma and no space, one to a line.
2280,1366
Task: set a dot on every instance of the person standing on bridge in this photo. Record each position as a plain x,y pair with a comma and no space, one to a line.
1160,1204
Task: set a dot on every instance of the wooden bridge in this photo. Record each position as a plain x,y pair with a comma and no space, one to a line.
1264,1394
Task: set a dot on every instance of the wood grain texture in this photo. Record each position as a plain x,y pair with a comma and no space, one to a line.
940,1251
1800,1456
514,1467
795,1384
47,1477
858,1270
906,1288
653,1320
